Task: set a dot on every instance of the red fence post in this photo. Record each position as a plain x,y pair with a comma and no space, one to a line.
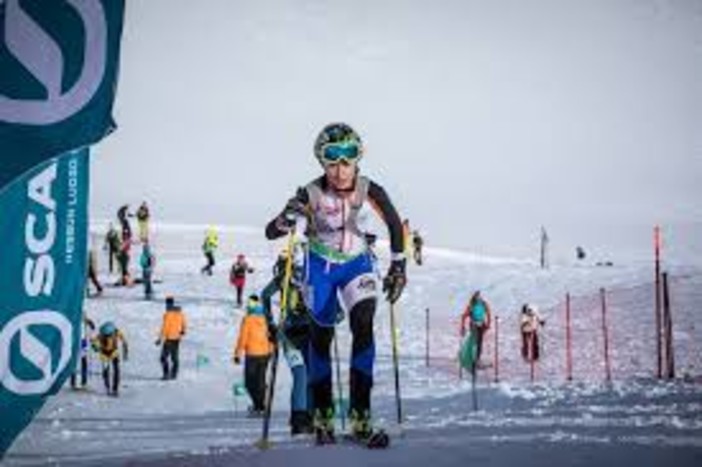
659,350
460,343
605,334
496,365
530,354
427,341
668,325
569,355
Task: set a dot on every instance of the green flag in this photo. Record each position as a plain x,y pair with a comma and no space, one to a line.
468,352
238,389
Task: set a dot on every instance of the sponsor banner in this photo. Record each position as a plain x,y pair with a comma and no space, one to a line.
43,227
59,62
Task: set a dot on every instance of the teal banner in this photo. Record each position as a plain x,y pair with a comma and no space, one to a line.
59,62
43,227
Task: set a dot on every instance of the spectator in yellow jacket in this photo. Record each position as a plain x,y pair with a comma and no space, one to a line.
254,344
106,344
172,330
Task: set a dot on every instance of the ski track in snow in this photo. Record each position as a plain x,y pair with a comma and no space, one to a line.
198,415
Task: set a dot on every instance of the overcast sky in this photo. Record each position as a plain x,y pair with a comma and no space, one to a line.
482,119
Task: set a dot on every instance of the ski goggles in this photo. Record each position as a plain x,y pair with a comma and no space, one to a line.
338,152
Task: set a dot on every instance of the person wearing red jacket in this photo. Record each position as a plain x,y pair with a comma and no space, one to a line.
237,277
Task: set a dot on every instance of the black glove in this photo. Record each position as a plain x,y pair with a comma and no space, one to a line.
237,360
395,281
288,218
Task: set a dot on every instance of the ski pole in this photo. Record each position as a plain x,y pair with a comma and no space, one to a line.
605,337
473,389
396,365
263,443
474,366
338,381
668,324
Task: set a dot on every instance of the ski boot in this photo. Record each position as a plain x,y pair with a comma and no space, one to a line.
361,428
324,426
362,431
300,423
255,412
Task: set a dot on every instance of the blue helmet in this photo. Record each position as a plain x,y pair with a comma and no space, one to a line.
108,328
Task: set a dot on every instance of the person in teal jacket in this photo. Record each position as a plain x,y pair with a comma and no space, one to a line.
294,335
478,315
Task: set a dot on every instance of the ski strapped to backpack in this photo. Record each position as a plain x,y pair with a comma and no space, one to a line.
263,443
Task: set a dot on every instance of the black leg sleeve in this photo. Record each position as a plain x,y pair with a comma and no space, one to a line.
84,370
362,355
164,359
320,366
175,359
106,374
115,381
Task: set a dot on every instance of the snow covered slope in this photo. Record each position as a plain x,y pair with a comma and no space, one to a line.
198,416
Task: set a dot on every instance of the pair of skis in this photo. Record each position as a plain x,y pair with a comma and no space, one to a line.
378,439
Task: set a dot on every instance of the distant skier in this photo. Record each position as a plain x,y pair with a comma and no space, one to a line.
123,216
418,243
294,335
106,343
87,330
254,344
173,329
92,272
113,245
407,234
124,254
478,316
147,261
237,277
340,266
209,246
580,253
143,215
530,323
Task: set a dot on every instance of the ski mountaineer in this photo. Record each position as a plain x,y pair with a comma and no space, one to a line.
92,273
106,343
294,335
143,215
113,244
479,316
237,277
125,247
418,243
147,261
339,268
88,328
209,246
530,323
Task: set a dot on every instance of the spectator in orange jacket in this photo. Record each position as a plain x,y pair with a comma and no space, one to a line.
172,330
254,344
